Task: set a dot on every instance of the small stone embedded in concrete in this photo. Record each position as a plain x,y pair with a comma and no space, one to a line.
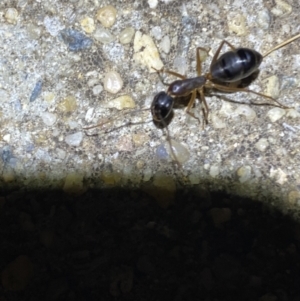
156,32
272,86
294,197
104,36
125,144
292,113
121,103
140,138
126,35
281,8
11,15
152,3
275,114
36,92
74,139
165,44
75,40
263,19
107,15
97,89
88,25
279,175
48,118
262,144
214,171
237,23
146,52
217,122
74,184
246,111
181,153
244,173
113,82
68,105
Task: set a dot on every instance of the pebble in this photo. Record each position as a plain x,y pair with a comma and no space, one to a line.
214,171
75,40
104,36
152,3
165,44
68,105
48,118
74,139
292,113
113,82
97,89
181,153
294,197
125,144
122,102
244,173
17,275
237,23
11,15
107,15
275,114
217,122
146,52
88,25
262,144
74,184
126,35
140,138
246,111
263,19
156,32
272,86
281,8
36,92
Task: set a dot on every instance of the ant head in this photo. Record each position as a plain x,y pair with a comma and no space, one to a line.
162,106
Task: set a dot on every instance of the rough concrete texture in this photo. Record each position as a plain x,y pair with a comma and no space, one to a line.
66,65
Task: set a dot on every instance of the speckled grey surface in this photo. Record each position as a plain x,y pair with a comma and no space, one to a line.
49,92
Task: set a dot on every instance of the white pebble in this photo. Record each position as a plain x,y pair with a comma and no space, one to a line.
246,111
126,35
244,173
262,144
89,115
165,44
214,171
113,82
11,15
97,89
181,153
74,139
152,3
156,32
263,19
107,15
104,36
48,118
217,122
272,86
122,102
146,52
275,114
88,24
237,23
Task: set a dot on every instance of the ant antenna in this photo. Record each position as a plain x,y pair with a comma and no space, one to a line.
282,44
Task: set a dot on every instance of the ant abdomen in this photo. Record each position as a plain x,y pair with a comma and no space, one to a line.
235,65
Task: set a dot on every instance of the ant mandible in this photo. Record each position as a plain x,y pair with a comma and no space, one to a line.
230,67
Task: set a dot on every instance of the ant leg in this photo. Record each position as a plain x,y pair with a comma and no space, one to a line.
163,70
205,109
228,89
216,55
199,67
190,104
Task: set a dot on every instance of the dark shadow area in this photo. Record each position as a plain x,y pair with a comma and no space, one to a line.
120,245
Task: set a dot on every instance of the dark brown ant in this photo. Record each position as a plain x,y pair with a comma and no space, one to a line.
230,67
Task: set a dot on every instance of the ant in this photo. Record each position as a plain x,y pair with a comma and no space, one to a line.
231,67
